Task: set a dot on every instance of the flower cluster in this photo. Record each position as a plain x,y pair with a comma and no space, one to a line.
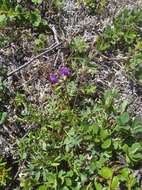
63,72
53,78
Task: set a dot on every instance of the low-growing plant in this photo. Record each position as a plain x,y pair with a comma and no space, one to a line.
41,41
80,142
79,138
73,147
79,57
95,7
4,98
4,173
78,45
27,13
124,36
35,15
134,66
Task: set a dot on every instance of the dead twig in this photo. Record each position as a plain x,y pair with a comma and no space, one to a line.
116,58
52,27
57,57
52,47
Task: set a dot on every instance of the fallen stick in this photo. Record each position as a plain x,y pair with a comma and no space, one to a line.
52,47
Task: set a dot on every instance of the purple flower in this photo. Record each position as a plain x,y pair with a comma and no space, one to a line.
64,71
53,79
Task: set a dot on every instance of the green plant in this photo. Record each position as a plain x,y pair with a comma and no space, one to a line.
94,6
79,57
134,66
90,4
4,173
79,138
26,14
16,17
40,42
78,45
81,141
123,34
76,147
4,98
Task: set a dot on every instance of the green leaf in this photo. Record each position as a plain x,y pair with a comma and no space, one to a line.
37,176
51,178
72,88
132,181
83,177
68,182
124,173
135,147
35,18
3,20
115,182
3,117
133,153
65,188
98,186
104,134
55,164
123,106
109,98
137,157
136,126
130,36
106,144
106,173
94,129
42,187
89,89
37,1
78,45
123,119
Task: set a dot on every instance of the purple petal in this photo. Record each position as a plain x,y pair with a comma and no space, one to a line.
64,71
53,79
